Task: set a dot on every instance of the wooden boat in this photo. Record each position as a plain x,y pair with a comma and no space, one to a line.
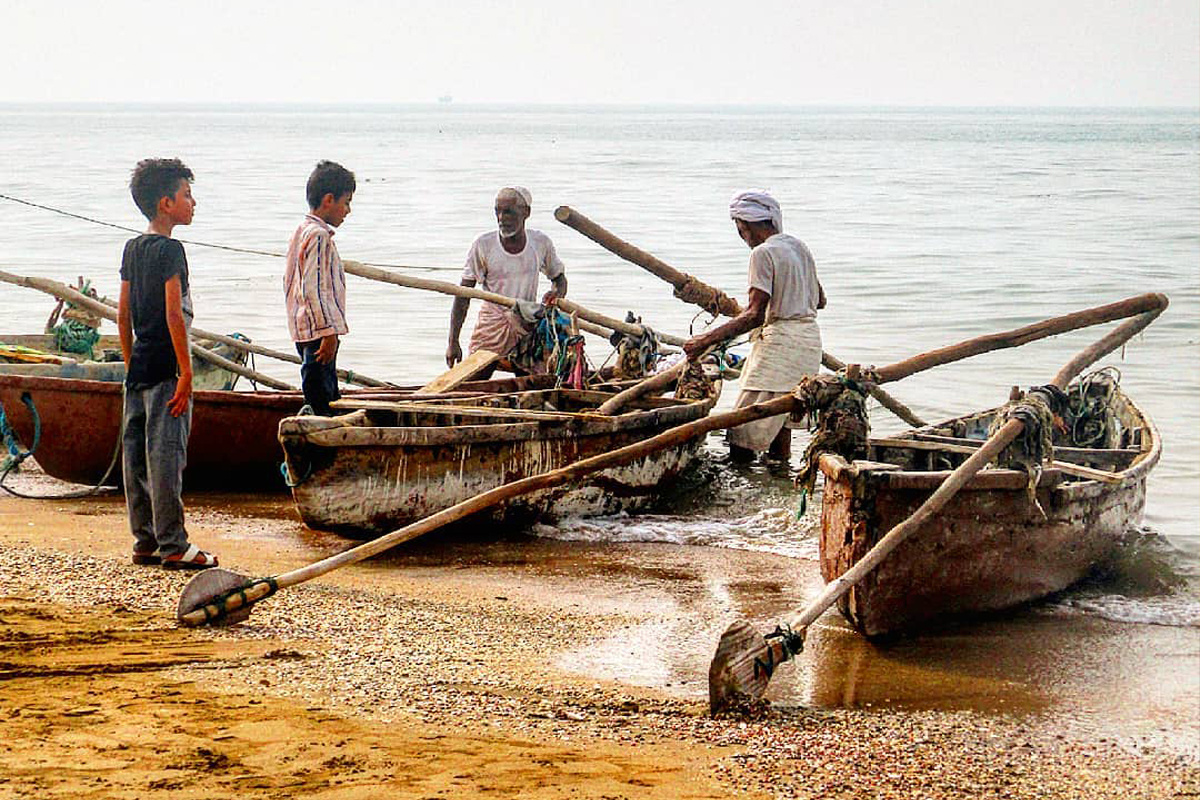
233,444
38,354
385,465
990,548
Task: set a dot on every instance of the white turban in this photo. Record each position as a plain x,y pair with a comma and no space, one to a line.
756,206
519,191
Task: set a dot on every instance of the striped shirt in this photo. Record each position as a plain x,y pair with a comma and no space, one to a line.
314,283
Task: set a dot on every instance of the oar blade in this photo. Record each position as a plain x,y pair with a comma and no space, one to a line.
738,675
208,587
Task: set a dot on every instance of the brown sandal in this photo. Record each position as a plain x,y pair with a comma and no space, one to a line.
147,559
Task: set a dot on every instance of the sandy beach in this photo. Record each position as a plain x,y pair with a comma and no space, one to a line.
453,669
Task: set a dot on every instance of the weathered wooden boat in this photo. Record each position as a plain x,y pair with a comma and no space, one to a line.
39,355
385,465
990,548
233,444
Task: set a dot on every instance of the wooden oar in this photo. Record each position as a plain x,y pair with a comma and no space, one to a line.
218,595
590,321
745,659
104,310
691,289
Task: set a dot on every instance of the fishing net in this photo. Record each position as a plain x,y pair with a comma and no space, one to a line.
840,407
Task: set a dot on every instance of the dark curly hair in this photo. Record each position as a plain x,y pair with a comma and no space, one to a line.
328,177
154,179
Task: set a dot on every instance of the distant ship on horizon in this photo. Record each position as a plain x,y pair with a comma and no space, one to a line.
446,99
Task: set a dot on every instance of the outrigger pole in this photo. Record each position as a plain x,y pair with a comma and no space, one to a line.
691,289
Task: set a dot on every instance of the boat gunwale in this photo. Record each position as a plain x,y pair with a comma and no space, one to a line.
835,466
558,426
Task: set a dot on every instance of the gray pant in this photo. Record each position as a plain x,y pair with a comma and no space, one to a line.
154,447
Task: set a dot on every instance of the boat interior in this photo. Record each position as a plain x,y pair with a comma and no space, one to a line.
1101,430
546,406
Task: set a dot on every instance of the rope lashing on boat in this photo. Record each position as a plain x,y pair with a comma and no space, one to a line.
220,600
791,643
1035,446
843,428
247,357
700,294
1090,417
287,475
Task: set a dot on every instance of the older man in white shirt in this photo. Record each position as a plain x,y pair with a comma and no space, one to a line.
505,261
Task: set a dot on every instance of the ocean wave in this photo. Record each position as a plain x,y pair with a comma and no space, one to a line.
771,530
1176,610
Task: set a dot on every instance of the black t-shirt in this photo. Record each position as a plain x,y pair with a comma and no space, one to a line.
148,263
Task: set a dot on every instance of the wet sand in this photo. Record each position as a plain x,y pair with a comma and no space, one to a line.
469,666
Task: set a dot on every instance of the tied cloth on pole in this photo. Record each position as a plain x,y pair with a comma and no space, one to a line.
550,346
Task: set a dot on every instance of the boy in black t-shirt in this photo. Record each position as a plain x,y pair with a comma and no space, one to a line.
154,316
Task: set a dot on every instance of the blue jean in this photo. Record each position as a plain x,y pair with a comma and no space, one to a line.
154,450
319,381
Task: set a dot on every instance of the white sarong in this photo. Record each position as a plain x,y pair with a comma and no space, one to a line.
784,351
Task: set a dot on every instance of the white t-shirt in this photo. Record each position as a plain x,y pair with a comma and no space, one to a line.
783,267
515,275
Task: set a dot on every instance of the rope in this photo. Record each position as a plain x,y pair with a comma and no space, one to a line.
1029,451
842,427
13,461
700,294
790,642
220,601
228,248
1091,419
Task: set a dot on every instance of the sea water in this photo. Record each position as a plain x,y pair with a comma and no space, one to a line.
929,226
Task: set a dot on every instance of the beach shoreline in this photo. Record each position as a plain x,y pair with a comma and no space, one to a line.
439,674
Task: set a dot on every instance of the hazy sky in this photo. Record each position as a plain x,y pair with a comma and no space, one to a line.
843,52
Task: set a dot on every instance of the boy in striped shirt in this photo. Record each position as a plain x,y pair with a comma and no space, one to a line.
315,284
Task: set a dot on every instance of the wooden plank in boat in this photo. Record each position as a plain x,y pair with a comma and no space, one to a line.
1118,456
526,415
1062,466
461,372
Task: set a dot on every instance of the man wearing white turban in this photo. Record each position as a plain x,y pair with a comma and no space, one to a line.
505,261
784,298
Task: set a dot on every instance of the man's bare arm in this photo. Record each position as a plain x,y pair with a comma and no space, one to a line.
752,317
458,315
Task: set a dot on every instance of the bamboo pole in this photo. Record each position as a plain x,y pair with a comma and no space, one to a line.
104,310
718,300
652,385
590,321
349,376
692,290
1029,333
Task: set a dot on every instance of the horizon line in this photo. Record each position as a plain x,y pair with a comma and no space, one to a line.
509,104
